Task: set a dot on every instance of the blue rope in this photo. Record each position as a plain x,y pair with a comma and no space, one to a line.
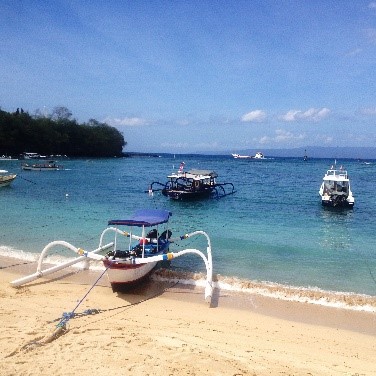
68,315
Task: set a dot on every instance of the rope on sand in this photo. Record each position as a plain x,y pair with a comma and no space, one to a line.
61,328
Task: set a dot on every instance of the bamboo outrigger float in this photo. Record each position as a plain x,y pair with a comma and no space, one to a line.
127,267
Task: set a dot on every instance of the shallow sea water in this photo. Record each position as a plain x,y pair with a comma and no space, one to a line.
272,236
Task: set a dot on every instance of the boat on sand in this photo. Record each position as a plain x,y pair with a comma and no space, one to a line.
148,240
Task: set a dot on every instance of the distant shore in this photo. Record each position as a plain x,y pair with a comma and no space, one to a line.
165,328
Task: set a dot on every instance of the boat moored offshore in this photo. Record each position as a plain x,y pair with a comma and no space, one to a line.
335,190
192,185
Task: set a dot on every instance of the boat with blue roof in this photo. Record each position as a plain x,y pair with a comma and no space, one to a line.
132,254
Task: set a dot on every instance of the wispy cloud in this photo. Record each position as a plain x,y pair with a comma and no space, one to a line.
126,121
281,137
312,114
370,34
256,116
354,52
372,5
370,111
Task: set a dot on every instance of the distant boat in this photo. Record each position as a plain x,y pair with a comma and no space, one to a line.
335,190
258,155
241,156
7,158
48,166
28,155
305,158
6,178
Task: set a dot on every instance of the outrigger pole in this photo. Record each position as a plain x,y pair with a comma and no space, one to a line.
40,273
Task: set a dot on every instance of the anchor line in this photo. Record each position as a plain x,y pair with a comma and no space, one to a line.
68,315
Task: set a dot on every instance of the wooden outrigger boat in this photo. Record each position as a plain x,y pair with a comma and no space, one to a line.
192,185
126,267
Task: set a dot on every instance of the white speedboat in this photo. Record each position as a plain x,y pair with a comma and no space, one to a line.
6,178
335,190
127,264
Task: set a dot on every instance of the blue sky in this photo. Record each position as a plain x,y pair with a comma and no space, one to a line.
198,76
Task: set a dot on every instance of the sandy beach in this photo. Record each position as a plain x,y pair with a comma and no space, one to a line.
166,329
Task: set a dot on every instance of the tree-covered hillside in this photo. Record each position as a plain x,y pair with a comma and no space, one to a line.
57,134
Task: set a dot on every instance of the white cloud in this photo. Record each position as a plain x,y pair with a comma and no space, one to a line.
371,111
371,34
127,121
281,137
372,5
285,136
257,116
312,114
354,52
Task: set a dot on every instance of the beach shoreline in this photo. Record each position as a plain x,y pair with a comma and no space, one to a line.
166,328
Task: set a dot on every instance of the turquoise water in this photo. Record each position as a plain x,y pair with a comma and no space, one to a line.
272,230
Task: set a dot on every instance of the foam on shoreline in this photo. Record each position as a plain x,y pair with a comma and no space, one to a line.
311,295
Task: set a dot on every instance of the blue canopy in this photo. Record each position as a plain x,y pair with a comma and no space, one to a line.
144,217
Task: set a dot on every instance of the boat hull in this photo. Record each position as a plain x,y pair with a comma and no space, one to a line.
123,276
334,204
186,195
41,168
6,180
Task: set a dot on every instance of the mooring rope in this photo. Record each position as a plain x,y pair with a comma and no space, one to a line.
68,315
61,327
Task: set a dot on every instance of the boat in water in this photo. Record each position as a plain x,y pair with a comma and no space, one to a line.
192,185
305,157
258,155
6,178
335,190
47,166
133,257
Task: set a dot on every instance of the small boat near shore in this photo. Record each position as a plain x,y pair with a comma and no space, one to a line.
133,257
335,190
7,158
6,178
192,185
47,166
